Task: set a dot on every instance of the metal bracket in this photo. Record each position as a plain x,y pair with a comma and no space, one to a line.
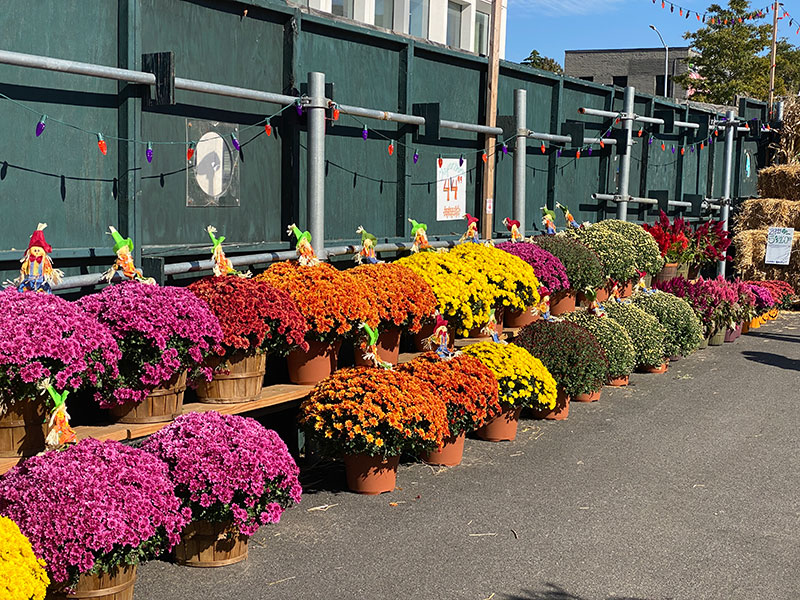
576,130
431,112
162,65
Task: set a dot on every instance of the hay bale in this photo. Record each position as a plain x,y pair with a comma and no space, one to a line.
751,249
767,212
782,181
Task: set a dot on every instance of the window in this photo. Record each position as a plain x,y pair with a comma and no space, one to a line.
620,80
659,91
342,8
384,13
454,24
588,78
418,18
481,33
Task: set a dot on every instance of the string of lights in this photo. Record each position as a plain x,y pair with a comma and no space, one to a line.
684,12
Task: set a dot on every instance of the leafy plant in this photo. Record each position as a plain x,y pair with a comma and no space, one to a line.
648,257
467,386
613,339
646,333
672,238
548,269
572,355
523,380
710,241
584,268
684,331
616,252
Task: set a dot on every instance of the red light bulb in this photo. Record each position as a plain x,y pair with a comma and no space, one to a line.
101,144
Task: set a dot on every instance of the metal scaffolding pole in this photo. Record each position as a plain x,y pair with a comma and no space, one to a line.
625,163
727,174
316,161
520,154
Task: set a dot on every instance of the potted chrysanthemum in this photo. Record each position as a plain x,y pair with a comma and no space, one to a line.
646,333
22,575
614,340
684,331
616,252
470,391
232,475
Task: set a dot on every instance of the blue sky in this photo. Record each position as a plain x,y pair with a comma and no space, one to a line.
552,26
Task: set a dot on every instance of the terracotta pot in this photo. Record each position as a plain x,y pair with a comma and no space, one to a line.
503,427
589,397
627,291
309,368
448,455
427,331
388,348
499,314
114,585
670,271
563,302
559,413
370,475
619,381
602,295
161,405
205,544
520,318
241,380
657,370
23,428
717,338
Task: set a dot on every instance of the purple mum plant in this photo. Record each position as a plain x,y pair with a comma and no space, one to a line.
763,297
92,507
44,337
549,270
228,468
162,331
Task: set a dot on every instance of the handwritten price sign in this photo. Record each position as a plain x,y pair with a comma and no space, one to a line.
451,192
779,245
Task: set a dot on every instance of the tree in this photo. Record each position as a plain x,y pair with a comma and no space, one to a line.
734,56
545,63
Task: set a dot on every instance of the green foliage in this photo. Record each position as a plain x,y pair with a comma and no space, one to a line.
646,333
612,337
545,63
648,256
616,252
684,331
735,59
584,269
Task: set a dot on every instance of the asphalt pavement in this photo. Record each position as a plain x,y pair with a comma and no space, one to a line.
682,485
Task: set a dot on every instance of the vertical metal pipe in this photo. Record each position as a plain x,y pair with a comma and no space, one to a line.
520,154
315,187
625,163
779,113
727,174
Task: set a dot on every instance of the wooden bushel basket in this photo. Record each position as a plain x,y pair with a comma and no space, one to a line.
162,405
23,428
115,585
242,381
205,544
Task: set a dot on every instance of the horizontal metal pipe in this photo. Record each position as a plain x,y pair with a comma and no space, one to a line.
88,280
190,85
597,140
78,68
616,198
687,125
381,115
595,112
679,203
549,137
484,129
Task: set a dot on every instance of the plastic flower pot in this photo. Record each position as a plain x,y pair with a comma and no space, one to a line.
589,397
627,291
23,428
602,294
449,455
205,544
730,335
388,348
562,302
655,369
161,405
503,427
559,413
370,475
717,338
241,380
478,332
703,343
520,318
745,326
311,367
670,271
117,584
619,381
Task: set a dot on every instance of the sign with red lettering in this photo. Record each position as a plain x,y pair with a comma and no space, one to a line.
451,189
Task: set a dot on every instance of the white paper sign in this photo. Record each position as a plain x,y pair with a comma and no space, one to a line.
451,190
779,245
489,206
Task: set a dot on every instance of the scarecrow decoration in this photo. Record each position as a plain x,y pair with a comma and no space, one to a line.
367,252
305,251
371,354
471,235
123,248
548,221
222,264
418,230
37,273
571,222
513,226
60,433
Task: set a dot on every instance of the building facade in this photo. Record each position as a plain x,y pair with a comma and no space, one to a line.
461,24
643,68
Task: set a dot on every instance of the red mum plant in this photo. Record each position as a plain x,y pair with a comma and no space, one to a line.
254,315
467,386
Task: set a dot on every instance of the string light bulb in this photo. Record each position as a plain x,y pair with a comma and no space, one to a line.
663,147
440,161
558,154
589,151
416,157
390,149
235,141
335,112
299,106
485,157
578,154
641,131
505,148
683,150
149,152
461,161
190,152
268,128
364,133
101,144
41,125
602,144
544,149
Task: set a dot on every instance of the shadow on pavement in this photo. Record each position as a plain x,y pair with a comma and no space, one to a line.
774,336
773,360
318,475
552,591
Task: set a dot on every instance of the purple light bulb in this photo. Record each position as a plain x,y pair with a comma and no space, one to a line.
650,141
673,149
149,152
41,125
558,153
589,152
235,141
505,148
364,133
416,157
461,160
299,107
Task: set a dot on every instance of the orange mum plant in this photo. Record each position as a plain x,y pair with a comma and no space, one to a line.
403,298
467,386
379,412
333,302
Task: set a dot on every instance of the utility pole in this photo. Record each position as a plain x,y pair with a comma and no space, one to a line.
491,120
774,58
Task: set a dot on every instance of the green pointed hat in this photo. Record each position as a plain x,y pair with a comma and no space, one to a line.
371,333
119,241
365,235
300,235
417,226
58,399
549,213
217,241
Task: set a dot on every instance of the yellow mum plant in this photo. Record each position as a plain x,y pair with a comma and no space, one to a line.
513,280
22,575
465,297
522,378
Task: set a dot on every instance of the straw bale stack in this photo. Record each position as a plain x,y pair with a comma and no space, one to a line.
767,212
751,248
782,181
